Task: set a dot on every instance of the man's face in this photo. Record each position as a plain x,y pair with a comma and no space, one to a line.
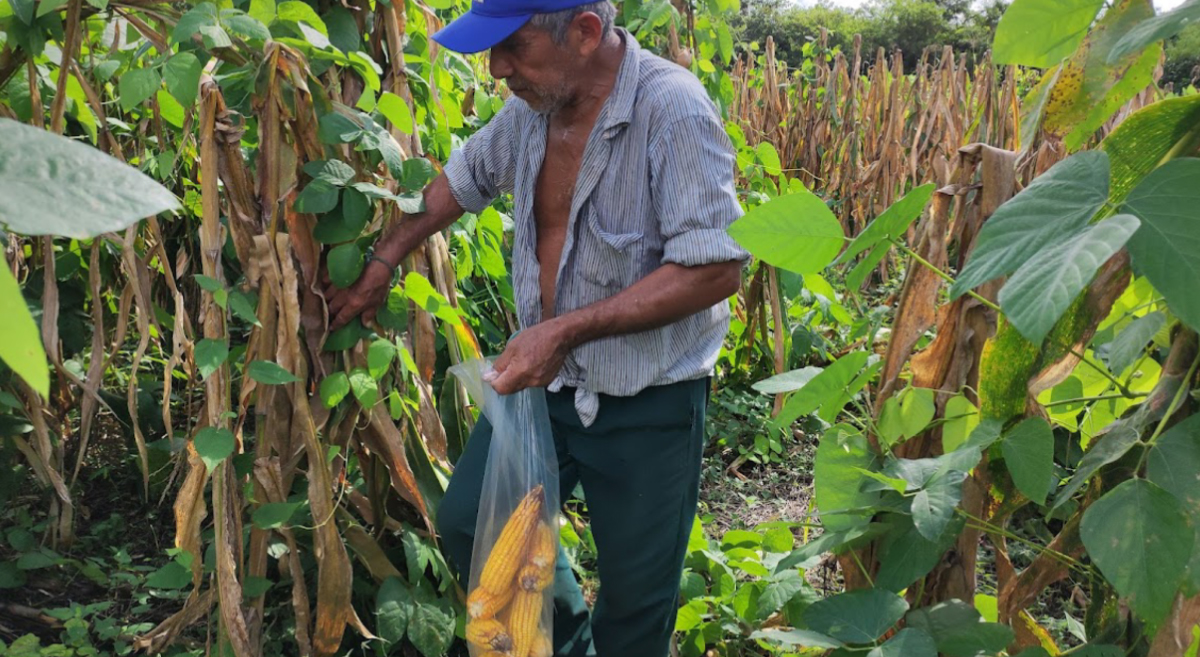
536,69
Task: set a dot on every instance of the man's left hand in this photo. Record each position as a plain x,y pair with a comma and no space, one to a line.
532,359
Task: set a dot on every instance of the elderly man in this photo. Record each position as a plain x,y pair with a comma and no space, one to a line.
622,178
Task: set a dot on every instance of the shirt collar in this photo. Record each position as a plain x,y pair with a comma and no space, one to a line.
620,101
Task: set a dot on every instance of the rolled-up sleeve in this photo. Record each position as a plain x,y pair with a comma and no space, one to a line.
485,166
691,167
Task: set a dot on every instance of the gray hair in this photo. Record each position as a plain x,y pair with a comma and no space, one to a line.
556,23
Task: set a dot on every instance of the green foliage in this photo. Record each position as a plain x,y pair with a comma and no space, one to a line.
796,232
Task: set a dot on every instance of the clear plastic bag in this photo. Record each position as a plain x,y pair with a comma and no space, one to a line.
509,594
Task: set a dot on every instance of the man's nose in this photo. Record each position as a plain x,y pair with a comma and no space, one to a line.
499,65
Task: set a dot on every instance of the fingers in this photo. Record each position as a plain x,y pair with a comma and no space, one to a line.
506,383
348,312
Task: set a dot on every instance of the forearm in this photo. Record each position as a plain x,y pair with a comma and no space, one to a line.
441,210
669,294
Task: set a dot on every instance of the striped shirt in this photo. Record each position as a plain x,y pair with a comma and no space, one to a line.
655,186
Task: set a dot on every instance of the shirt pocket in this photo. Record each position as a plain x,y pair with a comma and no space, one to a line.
608,259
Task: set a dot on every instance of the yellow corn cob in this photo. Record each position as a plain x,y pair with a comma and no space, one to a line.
496,653
523,620
489,634
542,647
482,603
535,578
543,549
509,549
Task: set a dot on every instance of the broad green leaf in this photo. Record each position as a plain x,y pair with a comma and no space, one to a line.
396,110
778,539
788,381
908,642
337,128
908,415
20,340
1028,450
244,305
263,11
334,172
1089,90
213,445
782,588
37,560
893,223
769,158
345,337
51,185
431,628
961,419
796,232
1166,248
988,606
346,222
1038,294
202,15
829,541
1110,447
317,197
1040,34
182,75
380,355
688,617
802,638
1139,538
137,86
345,264
958,630
300,12
334,389
933,506
270,373
1162,26
905,556
171,576
253,587
274,514
210,355
343,30
1173,464
420,291
1099,650
245,26
824,388
837,480
24,10
858,276
1131,342
365,389
860,616
1143,140
11,577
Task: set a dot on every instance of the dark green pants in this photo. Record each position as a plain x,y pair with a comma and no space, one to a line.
639,464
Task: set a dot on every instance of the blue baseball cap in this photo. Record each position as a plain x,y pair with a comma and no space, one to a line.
489,22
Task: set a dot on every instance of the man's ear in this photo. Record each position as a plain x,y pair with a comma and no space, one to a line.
587,31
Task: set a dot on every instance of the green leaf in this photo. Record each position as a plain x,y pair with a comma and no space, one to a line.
958,630
137,86
334,389
345,264
336,128
858,276
37,560
906,415
172,576
431,628
394,109
270,373
961,419
893,223
20,340
1097,650
246,26
796,232
769,157
345,337
274,514
1131,342
824,388
1166,248
364,387
51,185
343,30
782,588
1173,464
1139,538
905,556
1029,454
788,381
933,506
11,577
1038,294
202,15
253,587
860,616
778,539
334,172
1108,448
300,12
908,642
210,356
317,197
24,10
837,480
213,445
802,638
420,291
380,355
1047,213
393,606
263,11
182,75
1041,34
1162,26
347,222
244,306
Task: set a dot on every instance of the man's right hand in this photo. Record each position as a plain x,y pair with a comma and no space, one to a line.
364,297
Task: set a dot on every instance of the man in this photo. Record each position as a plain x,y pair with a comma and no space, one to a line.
622,177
